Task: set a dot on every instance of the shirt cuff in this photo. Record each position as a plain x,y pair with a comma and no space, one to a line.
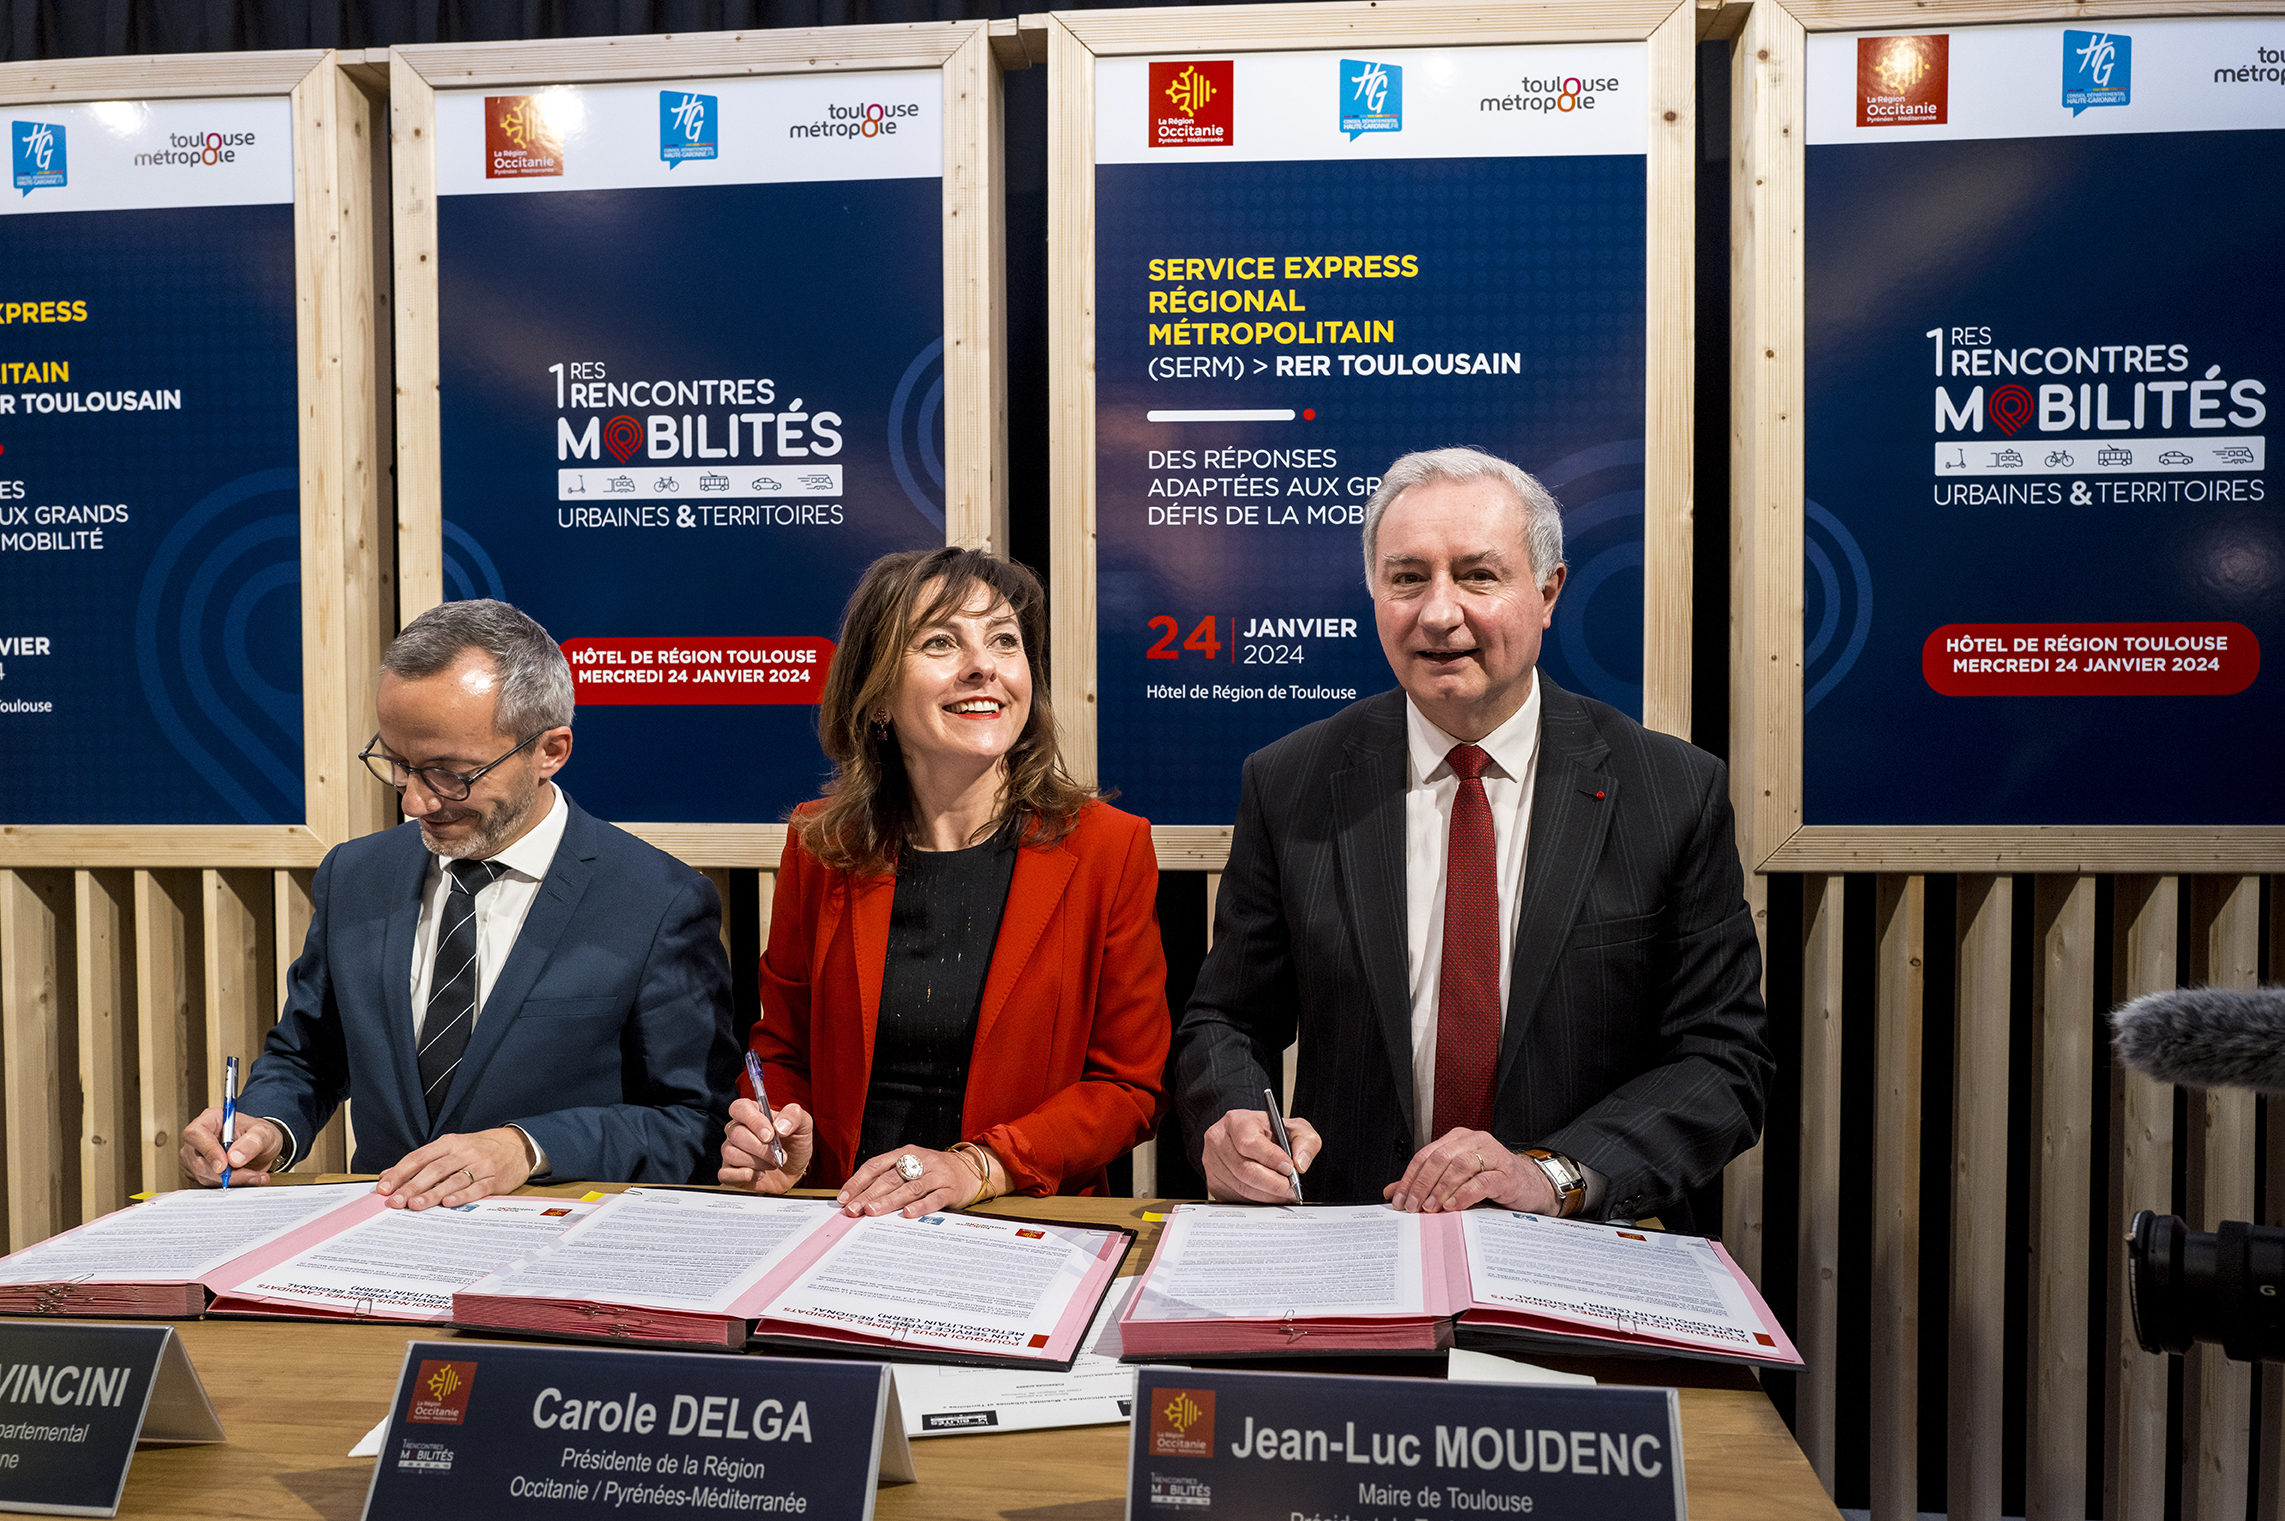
539,1152
293,1147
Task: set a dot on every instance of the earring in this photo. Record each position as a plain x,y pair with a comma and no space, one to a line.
881,727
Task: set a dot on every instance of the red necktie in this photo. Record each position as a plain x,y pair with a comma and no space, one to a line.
1468,986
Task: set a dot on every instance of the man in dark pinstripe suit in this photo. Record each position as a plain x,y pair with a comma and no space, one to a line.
1506,923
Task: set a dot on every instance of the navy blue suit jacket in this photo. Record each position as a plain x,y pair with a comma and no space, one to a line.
606,1035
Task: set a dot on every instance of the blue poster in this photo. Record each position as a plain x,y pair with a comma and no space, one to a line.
150,510
1307,265
692,384
2043,559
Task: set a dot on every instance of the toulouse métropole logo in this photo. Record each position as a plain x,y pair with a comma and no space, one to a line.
39,155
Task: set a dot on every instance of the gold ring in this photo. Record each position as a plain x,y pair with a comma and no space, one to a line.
1480,1163
471,1177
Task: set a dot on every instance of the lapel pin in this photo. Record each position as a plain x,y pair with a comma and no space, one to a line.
1598,797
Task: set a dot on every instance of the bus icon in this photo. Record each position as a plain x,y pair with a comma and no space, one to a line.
2114,456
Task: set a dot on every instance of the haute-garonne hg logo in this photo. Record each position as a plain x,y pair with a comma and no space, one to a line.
1182,1423
1903,81
1190,104
1372,97
39,155
688,127
440,1393
519,140
2098,70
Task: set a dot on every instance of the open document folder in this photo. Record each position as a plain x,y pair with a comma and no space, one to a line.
165,1257
1249,1281
718,1270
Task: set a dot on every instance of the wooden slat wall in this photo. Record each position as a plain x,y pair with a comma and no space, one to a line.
2024,959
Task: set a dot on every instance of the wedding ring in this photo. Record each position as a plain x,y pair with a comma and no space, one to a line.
1480,1163
471,1177
908,1168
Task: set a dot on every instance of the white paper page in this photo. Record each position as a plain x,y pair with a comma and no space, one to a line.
662,1251
941,1400
1220,1261
412,1260
1486,1368
965,1283
369,1445
176,1237
1638,1282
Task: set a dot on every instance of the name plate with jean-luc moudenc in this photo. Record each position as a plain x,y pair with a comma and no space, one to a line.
480,1430
1319,1447
75,1402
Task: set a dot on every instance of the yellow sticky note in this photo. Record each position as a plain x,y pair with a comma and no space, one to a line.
589,1197
139,1198
1153,1216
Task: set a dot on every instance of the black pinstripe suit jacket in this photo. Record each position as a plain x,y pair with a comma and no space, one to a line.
1634,1034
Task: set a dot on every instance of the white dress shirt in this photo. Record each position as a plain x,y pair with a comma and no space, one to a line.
500,908
1429,787
500,911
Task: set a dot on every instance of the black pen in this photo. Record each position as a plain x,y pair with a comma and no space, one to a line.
1284,1141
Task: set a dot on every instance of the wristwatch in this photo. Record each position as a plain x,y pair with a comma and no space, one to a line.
1565,1176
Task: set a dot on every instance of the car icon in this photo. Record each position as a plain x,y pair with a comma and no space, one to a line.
2059,460
767,483
2114,456
2234,454
2007,459
2175,457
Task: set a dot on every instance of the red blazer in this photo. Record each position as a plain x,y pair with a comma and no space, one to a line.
1070,1052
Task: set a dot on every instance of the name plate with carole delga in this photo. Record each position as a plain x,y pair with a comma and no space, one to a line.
76,1399
481,1429
1268,1446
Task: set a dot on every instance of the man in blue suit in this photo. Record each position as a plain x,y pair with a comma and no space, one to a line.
508,987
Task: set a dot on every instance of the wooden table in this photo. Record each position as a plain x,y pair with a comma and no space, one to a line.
295,1396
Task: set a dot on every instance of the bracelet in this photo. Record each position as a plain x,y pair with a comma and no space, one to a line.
973,1155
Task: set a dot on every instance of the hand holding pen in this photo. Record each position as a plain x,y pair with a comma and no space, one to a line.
1284,1141
762,1102
229,1113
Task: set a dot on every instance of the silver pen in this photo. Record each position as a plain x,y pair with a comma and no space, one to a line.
769,1116
1284,1141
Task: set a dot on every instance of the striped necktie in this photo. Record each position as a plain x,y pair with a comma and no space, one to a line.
452,984
1468,986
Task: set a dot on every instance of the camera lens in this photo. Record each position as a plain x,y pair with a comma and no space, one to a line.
2226,1287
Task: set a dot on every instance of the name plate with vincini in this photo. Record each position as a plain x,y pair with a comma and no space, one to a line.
75,1399
1269,1446
479,1429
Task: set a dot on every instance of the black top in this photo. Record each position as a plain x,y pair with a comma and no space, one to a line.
943,923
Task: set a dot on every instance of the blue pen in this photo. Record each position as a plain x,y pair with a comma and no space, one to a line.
229,1113
762,1098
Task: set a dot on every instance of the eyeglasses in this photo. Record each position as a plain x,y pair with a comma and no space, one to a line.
452,786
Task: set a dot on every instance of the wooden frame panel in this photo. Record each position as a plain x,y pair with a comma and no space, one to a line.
38,1034
2141,1174
341,492
1976,1428
170,966
1075,39
1766,486
103,918
2218,1151
975,264
2062,1075
1817,1335
1901,927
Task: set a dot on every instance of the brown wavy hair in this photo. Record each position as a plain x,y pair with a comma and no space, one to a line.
860,821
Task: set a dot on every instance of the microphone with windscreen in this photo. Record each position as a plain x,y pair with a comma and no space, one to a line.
2227,1286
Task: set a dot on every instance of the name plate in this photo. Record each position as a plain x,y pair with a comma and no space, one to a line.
1321,1447
484,1429
74,1401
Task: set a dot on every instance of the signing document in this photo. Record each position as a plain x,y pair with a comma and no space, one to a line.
942,1400
154,1258
716,1270
956,1283
403,1264
1242,1281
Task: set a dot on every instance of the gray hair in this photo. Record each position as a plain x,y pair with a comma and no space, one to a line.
535,680
1542,518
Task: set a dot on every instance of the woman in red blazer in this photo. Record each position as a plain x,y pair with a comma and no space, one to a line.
964,994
